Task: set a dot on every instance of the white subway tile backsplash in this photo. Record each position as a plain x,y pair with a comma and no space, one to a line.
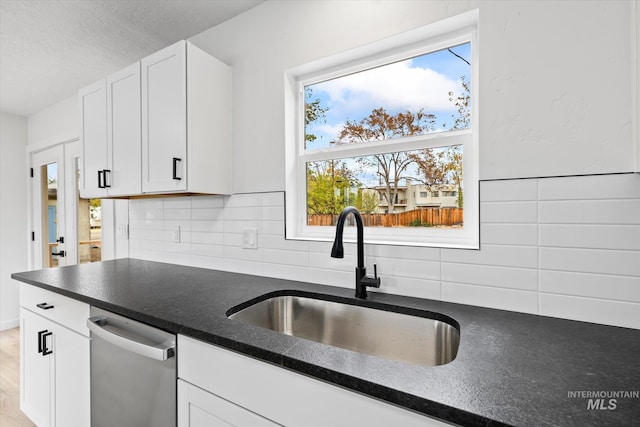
237,252
292,272
492,297
273,213
488,275
207,226
500,255
177,203
624,263
609,286
509,212
617,313
246,213
207,250
152,214
591,236
203,238
418,288
237,226
204,202
273,199
274,228
509,190
243,200
566,247
322,276
418,269
278,242
509,234
207,214
243,266
402,252
177,214
603,212
321,247
592,187
277,256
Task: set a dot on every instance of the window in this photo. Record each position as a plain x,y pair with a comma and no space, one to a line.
424,194
368,127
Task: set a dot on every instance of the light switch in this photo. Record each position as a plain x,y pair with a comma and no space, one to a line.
123,231
250,238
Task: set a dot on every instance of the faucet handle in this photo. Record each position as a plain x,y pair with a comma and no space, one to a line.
374,282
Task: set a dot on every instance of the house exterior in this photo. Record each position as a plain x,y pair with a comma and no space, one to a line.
416,196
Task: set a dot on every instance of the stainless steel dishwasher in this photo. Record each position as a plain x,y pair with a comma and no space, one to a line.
133,372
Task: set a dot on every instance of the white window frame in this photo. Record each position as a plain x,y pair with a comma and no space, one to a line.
433,37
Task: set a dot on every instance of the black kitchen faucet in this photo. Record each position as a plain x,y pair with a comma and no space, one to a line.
362,280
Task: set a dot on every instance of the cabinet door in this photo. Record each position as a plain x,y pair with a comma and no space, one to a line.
35,386
123,176
164,116
72,389
198,408
93,134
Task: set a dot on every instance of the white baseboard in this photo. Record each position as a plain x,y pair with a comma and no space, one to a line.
9,324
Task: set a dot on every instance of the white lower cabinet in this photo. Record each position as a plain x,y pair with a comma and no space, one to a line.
199,408
54,369
273,394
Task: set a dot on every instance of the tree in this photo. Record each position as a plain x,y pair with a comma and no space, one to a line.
312,111
444,166
367,201
392,168
329,185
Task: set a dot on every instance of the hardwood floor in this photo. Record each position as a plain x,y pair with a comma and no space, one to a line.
10,414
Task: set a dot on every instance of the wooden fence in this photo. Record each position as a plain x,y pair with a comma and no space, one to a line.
414,218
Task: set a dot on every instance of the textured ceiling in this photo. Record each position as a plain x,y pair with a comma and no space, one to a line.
51,48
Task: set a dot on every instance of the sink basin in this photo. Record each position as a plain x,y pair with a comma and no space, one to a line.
407,338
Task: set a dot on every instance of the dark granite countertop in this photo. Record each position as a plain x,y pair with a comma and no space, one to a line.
511,368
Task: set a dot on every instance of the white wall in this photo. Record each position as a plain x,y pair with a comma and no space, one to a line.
13,221
55,124
555,78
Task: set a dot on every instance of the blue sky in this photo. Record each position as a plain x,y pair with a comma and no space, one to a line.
421,82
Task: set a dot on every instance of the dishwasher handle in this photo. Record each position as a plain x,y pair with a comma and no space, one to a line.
162,351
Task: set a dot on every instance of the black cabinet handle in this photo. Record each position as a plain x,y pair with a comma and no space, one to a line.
106,181
40,340
61,254
175,168
44,306
101,179
46,351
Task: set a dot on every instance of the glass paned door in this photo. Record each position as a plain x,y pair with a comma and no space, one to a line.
48,204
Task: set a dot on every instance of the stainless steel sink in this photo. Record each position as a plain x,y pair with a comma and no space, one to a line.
387,334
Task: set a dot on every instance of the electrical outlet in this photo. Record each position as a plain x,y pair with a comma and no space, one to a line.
250,238
174,233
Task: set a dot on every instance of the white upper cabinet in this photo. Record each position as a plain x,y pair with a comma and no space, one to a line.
186,122
160,126
111,135
164,114
124,174
93,116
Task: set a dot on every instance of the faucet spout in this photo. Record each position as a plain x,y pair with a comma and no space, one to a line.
337,251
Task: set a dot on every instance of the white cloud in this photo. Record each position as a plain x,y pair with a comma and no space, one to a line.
395,86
